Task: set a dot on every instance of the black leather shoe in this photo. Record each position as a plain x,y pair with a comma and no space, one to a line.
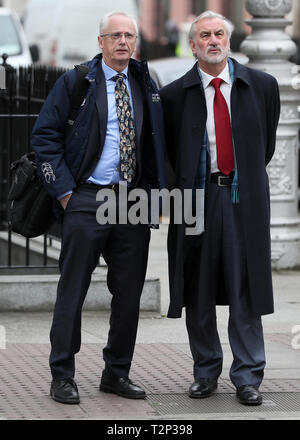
249,395
122,386
64,391
203,388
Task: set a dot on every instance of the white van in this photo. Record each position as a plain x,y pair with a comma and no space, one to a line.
66,30
12,39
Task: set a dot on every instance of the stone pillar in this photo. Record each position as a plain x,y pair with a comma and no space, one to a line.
269,49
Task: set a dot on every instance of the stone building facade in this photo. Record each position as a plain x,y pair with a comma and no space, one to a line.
155,13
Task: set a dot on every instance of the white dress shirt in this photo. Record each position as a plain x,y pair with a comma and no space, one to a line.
209,90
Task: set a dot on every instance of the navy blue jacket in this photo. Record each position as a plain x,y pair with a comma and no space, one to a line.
59,157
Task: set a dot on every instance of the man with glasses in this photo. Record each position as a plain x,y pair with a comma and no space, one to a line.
115,138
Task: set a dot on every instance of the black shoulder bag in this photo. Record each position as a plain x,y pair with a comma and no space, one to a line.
30,207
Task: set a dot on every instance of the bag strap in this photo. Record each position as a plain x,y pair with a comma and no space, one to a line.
78,94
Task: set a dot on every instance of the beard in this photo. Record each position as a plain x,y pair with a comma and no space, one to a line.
211,58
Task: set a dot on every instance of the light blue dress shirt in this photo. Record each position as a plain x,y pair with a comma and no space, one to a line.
107,171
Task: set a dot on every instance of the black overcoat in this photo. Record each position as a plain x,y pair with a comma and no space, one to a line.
255,109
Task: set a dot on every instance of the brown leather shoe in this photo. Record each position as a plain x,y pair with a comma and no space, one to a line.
203,387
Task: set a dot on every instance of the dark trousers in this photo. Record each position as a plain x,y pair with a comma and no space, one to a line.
215,263
125,250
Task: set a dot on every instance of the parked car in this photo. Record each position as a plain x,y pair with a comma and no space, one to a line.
12,39
66,30
165,70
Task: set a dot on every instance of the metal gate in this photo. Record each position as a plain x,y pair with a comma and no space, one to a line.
20,102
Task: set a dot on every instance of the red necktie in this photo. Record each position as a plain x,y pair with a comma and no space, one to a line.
223,130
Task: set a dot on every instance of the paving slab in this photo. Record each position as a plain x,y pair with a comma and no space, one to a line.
162,363
163,370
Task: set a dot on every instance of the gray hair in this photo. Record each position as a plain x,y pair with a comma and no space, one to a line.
104,21
210,14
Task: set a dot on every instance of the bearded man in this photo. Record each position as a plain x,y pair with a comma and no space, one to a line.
221,120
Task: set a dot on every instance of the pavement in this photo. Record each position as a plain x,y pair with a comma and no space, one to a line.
162,365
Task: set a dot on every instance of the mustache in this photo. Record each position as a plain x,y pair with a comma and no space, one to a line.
214,47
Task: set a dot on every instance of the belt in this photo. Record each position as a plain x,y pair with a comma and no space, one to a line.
98,187
221,179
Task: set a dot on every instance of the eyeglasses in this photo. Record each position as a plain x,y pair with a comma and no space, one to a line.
118,35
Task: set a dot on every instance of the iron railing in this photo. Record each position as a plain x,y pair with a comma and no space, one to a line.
20,103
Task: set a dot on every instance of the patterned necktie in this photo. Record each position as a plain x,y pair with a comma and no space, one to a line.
127,131
223,130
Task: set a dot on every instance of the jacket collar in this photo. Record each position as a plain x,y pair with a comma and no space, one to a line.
192,77
135,67
93,67
241,72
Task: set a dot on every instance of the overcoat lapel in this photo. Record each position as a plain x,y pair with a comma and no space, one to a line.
101,104
137,107
194,123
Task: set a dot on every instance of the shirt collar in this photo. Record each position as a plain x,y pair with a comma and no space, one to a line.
224,75
109,73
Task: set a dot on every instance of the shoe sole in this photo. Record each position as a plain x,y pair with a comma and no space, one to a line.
108,389
66,401
202,396
249,403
